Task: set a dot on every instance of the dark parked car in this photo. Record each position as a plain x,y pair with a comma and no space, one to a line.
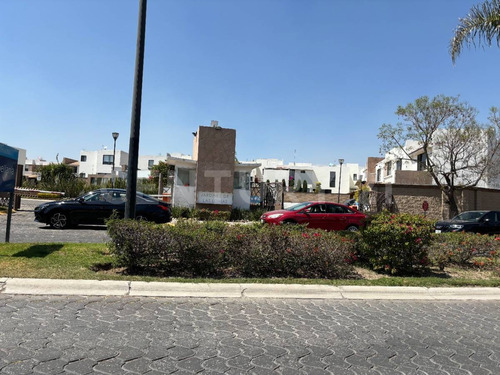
97,206
484,222
323,215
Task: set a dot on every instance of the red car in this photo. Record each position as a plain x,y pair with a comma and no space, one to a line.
323,215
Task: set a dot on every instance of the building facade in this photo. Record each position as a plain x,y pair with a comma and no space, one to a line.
330,178
212,178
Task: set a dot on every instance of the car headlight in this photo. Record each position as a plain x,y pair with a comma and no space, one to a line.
274,216
456,226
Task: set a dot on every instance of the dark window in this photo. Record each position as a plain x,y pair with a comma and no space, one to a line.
83,158
399,165
334,209
379,175
422,162
332,179
388,168
355,177
151,163
107,159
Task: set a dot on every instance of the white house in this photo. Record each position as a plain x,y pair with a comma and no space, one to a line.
146,162
330,177
409,166
100,163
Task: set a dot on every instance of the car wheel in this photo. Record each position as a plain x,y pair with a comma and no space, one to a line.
59,220
141,218
352,228
289,222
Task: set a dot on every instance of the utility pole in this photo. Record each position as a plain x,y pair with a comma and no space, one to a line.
135,124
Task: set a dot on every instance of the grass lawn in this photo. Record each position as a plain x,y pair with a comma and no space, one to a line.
93,262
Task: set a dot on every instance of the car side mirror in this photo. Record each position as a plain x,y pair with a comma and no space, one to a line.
81,200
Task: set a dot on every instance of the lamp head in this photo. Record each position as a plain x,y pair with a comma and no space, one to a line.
341,161
115,135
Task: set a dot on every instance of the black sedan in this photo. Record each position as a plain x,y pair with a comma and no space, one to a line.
97,206
484,222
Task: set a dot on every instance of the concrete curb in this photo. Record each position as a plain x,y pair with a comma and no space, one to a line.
215,290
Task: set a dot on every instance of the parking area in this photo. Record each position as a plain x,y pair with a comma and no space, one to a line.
25,229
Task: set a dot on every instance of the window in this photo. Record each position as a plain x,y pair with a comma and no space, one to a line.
355,177
332,179
388,168
379,175
83,158
241,180
186,177
107,159
399,164
422,162
151,163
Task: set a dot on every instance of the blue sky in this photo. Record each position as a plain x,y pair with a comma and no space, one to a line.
310,81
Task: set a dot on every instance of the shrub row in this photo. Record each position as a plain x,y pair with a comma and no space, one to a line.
216,249
464,249
235,214
406,244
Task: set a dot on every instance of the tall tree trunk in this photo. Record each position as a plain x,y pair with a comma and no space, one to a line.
452,202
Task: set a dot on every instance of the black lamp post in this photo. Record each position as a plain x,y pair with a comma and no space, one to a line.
135,123
115,137
341,161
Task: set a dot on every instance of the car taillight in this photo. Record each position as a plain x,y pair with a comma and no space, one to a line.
164,208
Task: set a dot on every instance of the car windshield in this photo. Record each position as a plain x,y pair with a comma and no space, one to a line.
298,207
471,215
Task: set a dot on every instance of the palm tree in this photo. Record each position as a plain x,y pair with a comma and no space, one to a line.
481,26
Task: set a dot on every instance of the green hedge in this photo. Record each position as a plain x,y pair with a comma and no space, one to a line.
397,243
235,214
216,249
464,249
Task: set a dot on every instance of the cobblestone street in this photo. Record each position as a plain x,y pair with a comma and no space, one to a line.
126,335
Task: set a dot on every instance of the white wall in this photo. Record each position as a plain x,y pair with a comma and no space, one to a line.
94,163
311,174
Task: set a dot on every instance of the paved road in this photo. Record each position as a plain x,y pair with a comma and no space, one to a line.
127,335
25,229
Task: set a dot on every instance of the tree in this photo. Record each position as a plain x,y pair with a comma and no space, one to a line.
163,169
60,177
481,26
459,152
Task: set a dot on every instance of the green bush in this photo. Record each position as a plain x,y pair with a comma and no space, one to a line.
462,249
49,195
215,249
397,243
206,215
181,212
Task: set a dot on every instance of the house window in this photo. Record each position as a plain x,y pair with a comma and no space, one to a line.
332,179
379,175
83,158
150,164
399,164
241,180
388,168
422,162
355,177
107,159
186,177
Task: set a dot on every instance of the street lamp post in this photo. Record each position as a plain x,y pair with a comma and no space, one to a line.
135,123
341,161
115,137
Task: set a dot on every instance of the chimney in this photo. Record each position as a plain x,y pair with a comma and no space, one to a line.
214,124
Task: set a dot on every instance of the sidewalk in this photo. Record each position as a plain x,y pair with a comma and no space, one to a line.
220,290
